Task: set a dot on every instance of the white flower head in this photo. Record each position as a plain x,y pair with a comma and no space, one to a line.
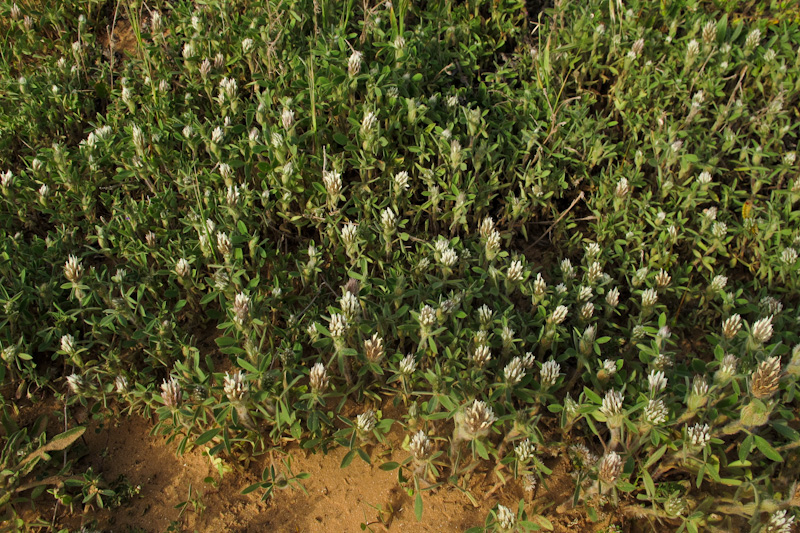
549,374
762,330
408,365
699,435
612,404
366,422
655,412
656,381
514,371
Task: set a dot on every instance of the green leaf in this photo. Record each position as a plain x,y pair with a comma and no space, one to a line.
593,396
246,365
418,506
700,474
207,436
60,442
655,457
224,342
364,456
348,458
481,449
767,449
649,486
745,447
251,488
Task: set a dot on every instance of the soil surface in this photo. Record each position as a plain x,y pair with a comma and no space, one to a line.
187,493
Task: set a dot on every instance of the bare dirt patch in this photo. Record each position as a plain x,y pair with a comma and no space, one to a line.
335,499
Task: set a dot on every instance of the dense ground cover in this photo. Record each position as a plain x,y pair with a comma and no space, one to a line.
569,233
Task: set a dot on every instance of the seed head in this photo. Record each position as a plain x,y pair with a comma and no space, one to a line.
609,367
373,348
779,522
366,422
182,268
762,330
506,518
514,273
559,315
318,378
731,326
649,298
401,182
287,118
241,308
73,270
612,297
655,412
699,435
121,384
354,63
612,404
235,386
205,66
408,365
368,123
719,229
75,383
637,47
656,381
420,446
539,285
350,234
427,317
224,243
771,305
388,221
585,293
528,360
595,272
486,228
217,135
482,355
710,32
567,270
338,326
232,196
529,482
514,371
692,50
171,392
718,283
753,38
592,251
622,189
68,344
765,379
475,421
549,374
587,311
699,386
610,468
493,244
449,258
525,451
727,369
